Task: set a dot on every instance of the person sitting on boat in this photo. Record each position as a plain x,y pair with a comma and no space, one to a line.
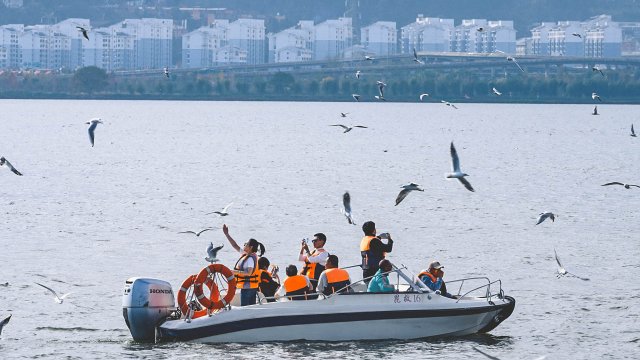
333,279
380,281
268,286
246,268
295,284
314,261
372,250
432,277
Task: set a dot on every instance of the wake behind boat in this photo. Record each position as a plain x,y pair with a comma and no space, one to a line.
413,311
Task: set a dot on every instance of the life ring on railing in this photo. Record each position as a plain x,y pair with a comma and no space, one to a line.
182,295
201,278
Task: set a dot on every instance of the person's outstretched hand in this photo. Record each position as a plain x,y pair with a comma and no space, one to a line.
225,229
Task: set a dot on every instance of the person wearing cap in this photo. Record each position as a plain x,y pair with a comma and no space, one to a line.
333,279
432,277
380,281
314,261
373,250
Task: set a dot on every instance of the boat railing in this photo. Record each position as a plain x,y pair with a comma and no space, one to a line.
488,293
417,287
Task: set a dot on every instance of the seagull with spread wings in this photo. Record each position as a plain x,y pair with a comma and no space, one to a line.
348,128
224,211
212,253
58,299
83,31
406,189
195,233
562,271
626,186
546,215
4,162
346,207
93,123
457,173
415,57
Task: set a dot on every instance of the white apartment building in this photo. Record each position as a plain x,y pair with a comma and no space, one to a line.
427,34
380,38
482,36
332,38
292,44
562,42
57,46
222,42
10,56
602,37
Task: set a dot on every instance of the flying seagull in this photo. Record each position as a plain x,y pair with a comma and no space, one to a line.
349,128
381,86
562,271
369,58
83,31
544,215
358,74
595,68
5,162
166,72
633,133
58,299
626,186
213,253
448,104
595,96
595,111
195,233
406,189
346,210
377,97
457,174
224,211
93,123
577,35
495,91
422,96
512,59
480,29
4,322
415,57
343,114
356,97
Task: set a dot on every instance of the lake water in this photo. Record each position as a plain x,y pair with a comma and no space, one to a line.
85,219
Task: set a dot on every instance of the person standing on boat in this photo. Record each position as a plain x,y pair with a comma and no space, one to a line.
246,268
295,284
267,286
380,281
432,277
333,279
373,250
314,261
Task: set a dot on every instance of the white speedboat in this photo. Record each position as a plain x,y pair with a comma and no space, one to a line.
412,312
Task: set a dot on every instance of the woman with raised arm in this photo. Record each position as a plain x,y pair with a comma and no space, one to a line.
246,268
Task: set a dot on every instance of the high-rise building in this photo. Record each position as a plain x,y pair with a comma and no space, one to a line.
331,38
10,56
249,35
380,38
292,44
427,34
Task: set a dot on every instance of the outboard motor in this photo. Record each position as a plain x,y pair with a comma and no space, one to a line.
146,303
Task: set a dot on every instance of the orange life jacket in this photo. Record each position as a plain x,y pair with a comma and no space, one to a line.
427,273
369,260
296,285
245,281
337,279
313,270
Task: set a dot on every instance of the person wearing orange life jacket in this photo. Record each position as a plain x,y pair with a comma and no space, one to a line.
333,279
373,250
294,285
246,268
314,261
432,277
268,286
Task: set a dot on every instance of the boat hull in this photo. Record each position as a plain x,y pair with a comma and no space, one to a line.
342,318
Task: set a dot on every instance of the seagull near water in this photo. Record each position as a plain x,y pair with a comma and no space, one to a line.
449,104
349,128
343,114
83,31
626,186
381,86
595,96
562,271
595,111
457,174
356,97
4,322
495,91
595,68
346,207
4,162
415,57
358,74
212,253
195,233
512,59
369,58
406,189
58,299
224,211
93,123
166,72
544,215
633,133
577,35
422,96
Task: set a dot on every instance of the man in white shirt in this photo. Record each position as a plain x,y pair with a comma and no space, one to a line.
314,261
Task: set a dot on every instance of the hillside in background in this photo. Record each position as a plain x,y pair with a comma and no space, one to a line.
284,13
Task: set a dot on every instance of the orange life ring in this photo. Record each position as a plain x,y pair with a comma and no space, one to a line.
182,295
213,304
